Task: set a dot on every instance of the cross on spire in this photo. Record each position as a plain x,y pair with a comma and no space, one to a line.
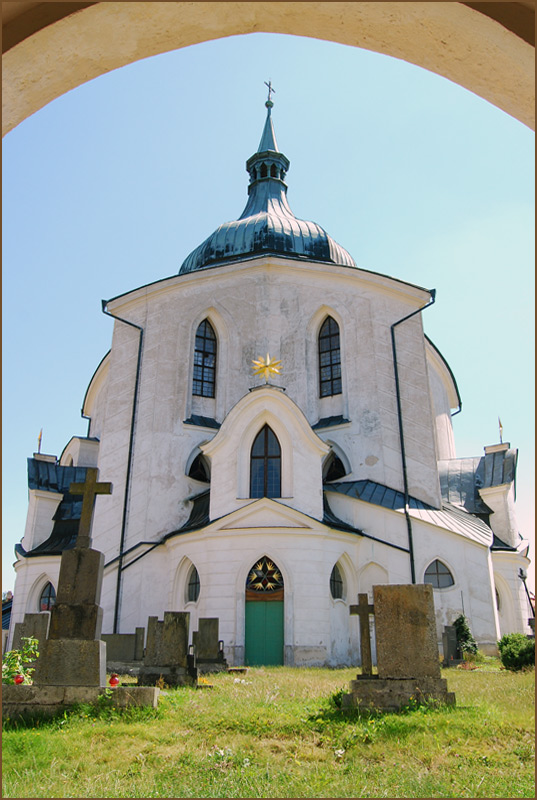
89,489
269,102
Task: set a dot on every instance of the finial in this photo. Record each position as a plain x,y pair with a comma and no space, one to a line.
266,367
269,102
501,430
39,440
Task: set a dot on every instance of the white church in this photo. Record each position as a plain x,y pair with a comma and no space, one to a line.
271,500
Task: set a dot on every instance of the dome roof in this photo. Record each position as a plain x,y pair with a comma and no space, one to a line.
267,225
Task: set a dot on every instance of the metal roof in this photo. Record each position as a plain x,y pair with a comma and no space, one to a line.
328,422
267,225
461,478
448,517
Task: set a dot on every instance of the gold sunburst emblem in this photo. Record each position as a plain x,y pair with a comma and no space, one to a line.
266,367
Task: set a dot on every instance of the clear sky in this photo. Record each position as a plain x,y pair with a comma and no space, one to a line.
112,185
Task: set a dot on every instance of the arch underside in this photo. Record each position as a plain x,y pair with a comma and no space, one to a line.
492,57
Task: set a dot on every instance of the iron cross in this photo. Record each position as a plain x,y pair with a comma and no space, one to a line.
270,89
88,490
363,610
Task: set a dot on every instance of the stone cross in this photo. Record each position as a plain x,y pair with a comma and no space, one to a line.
88,490
363,610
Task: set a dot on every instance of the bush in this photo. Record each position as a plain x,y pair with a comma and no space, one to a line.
465,640
516,651
16,663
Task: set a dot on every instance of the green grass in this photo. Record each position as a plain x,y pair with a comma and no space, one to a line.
276,732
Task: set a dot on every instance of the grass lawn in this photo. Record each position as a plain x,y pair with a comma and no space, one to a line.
276,732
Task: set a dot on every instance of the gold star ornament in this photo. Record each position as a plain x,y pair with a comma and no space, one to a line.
266,367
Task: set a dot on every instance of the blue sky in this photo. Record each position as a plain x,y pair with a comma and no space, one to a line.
112,185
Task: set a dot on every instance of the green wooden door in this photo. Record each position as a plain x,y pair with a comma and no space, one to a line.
264,633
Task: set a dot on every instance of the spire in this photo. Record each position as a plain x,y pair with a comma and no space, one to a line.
267,163
268,138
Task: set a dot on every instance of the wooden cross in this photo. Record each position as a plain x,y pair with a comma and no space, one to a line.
363,610
88,490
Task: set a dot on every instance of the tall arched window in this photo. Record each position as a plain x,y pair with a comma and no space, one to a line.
48,598
204,361
265,465
193,586
336,583
329,358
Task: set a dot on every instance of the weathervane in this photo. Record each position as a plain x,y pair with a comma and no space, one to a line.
269,102
266,367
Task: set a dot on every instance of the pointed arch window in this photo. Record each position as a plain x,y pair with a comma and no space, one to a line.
47,598
336,583
193,586
265,465
438,575
329,358
204,361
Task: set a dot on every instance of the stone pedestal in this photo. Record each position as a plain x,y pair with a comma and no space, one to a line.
73,654
393,694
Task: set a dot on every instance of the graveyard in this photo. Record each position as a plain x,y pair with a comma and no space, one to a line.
281,732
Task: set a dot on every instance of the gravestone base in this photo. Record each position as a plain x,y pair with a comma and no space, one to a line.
172,676
27,701
211,665
392,694
71,662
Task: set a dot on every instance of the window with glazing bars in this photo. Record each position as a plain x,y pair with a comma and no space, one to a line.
329,359
48,598
265,465
204,361
438,575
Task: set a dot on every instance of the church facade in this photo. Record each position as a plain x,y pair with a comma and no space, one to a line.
271,502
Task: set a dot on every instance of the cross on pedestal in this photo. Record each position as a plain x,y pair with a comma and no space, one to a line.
88,490
363,610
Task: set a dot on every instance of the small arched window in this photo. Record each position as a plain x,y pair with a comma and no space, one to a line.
199,469
333,469
264,170
265,465
193,587
336,583
329,358
48,598
204,361
438,575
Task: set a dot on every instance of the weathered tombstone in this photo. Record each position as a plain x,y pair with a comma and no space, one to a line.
71,667
73,654
207,646
407,651
450,646
166,652
124,651
33,625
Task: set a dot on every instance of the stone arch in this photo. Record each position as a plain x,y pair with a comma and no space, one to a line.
466,46
338,452
506,612
180,582
373,574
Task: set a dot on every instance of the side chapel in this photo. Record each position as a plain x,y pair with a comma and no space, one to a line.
271,505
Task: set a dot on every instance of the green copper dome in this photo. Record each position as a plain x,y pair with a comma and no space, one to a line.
267,225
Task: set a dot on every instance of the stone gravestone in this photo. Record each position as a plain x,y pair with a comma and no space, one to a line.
71,667
73,654
34,625
207,646
450,646
407,651
166,652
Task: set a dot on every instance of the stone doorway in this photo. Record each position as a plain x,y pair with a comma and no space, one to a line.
264,604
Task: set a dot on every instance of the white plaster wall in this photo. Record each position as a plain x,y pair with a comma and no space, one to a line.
32,574
514,607
260,306
39,523
445,440
501,500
